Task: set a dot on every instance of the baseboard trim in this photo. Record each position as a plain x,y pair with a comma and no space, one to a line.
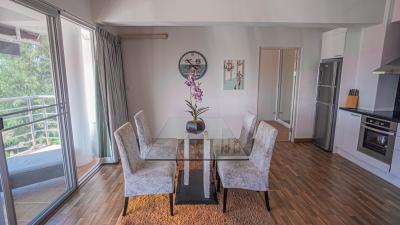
107,160
303,140
385,175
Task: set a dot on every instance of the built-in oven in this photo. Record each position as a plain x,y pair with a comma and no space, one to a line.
377,138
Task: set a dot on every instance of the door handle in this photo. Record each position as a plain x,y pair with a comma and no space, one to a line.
379,131
356,115
1,124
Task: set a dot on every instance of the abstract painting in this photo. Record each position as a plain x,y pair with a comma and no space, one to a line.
233,74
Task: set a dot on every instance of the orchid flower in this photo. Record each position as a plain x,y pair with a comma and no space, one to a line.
197,94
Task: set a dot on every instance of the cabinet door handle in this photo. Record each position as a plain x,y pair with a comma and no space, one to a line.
356,115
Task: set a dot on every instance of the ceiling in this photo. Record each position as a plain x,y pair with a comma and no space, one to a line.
293,13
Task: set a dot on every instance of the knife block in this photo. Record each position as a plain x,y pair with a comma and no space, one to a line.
352,102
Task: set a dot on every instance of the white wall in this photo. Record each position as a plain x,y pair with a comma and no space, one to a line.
370,55
192,12
387,84
377,45
350,62
154,84
396,11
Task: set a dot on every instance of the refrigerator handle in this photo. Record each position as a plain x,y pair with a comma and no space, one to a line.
1,124
333,95
320,73
335,71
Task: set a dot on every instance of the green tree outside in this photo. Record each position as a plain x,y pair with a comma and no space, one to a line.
29,74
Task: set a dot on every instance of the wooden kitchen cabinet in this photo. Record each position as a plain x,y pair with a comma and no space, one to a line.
347,131
333,43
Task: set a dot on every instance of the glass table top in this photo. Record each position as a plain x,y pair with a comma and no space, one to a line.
216,142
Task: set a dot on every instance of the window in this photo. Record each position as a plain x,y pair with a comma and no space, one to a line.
79,58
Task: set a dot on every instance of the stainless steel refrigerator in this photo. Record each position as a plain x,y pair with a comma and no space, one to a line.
327,103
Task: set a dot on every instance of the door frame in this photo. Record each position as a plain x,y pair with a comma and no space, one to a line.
295,87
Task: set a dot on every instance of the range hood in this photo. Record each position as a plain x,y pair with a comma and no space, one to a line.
391,68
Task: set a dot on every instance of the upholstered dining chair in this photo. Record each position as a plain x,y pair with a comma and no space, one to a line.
246,134
247,131
142,177
253,173
160,147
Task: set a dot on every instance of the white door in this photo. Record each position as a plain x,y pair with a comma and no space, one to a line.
268,80
286,83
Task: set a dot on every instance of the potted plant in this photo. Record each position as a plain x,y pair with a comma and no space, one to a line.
196,125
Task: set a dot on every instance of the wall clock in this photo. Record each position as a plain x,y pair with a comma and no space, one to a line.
192,62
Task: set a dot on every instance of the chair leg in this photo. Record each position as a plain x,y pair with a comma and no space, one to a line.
176,176
218,182
224,200
267,200
171,204
125,206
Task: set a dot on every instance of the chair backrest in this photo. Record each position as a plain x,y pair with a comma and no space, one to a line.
128,148
247,131
143,132
263,146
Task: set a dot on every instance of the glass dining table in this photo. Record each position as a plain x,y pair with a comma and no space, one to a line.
215,143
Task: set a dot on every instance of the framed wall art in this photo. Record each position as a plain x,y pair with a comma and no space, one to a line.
233,74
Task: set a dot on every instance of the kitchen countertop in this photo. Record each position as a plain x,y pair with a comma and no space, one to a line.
386,115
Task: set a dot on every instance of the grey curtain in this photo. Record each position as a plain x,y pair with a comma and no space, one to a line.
111,85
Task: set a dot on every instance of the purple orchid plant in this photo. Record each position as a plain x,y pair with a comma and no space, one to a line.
197,94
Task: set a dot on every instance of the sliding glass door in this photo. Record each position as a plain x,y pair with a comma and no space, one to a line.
78,42
34,152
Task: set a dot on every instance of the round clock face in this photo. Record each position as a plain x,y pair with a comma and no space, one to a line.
194,63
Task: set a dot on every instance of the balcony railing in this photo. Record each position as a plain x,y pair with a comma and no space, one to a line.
30,123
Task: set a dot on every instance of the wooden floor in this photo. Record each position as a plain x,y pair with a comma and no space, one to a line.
83,169
99,201
307,186
283,132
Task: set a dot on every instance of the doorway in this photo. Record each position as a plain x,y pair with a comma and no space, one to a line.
278,73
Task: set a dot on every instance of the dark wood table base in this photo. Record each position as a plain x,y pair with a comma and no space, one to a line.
194,193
